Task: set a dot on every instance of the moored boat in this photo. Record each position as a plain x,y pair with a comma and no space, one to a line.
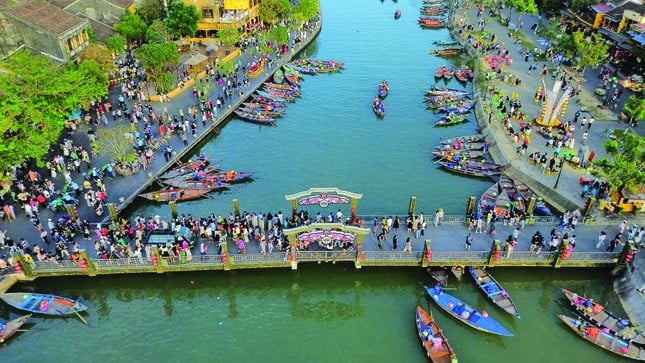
432,338
46,304
213,180
445,42
378,107
431,23
397,13
440,274
462,139
604,340
190,167
458,271
446,92
383,89
454,155
466,313
450,120
458,145
278,76
255,118
448,73
493,290
8,329
270,96
600,317
540,207
472,167
172,194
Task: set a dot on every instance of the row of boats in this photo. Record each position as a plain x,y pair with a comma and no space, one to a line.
455,103
433,14
466,155
377,103
593,323
463,73
270,102
195,180
508,195
34,303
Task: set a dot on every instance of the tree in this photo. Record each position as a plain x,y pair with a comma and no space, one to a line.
229,36
158,32
226,67
279,34
116,43
119,142
101,54
159,59
150,10
131,27
624,168
592,51
182,19
308,9
36,98
524,7
634,108
272,11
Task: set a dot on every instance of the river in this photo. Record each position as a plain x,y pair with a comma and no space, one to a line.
320,313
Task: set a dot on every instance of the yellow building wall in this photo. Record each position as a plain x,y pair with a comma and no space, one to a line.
236,4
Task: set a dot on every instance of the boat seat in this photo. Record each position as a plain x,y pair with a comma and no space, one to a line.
35,302
26,302
495,293
488,284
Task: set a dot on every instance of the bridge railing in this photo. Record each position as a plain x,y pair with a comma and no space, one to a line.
56,265
122,262
368,220
601,257
257,259
392,256
326,255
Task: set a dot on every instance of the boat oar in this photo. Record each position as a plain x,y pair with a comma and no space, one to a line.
80,317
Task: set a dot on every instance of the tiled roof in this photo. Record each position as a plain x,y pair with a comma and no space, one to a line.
61,3
617,12
121,3
101,30
44,16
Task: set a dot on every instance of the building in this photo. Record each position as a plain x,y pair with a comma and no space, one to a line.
220,14
618,18
46,28
105,11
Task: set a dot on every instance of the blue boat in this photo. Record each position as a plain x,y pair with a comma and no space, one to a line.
493,290
466,313
43,303
269,95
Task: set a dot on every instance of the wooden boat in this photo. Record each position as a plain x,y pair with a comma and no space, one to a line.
43,303
602,318
397,14
289,96
270,96
439,72
458,145
465,313
446,92
436,10
172,194
207,185
462,139
378,107
283,87
266,100
472,167
451,50
255,70
383,90
190,167
265,106
513,198
448,73
431,23
458,271
460,108
432,338
440,274
260,112
255,118
278,76
450,120
455,155
540,206
495,292
8,329
604,340
212,179
445,42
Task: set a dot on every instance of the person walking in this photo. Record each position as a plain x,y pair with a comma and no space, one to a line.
469,241
613,244
601,239
408,245
395,241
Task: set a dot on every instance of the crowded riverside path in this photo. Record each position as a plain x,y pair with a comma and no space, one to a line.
366,314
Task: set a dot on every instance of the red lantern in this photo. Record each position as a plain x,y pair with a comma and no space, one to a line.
496,255
224,257
83,264
154,260
16,266
428,255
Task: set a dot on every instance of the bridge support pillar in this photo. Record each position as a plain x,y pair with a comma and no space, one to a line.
155,255
91,265
427,254
531,206
563,254
495,253
412,205
360,256
236,208
293,254
27,267
470,208
227,260
114,211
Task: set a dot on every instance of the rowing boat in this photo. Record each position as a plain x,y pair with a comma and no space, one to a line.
450,120
604,340
436,344
213,179
378,107
278,76
596,313
462,139
458,271
8,329
172,194
465,313
255,70
495,292
472,167
455,155
440,274
540,207
43,303
458,145
186,168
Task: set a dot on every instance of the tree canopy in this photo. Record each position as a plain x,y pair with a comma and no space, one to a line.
592,50
635,108
150,10
159,59
625,165
279,34
158,32
37,96
272,11
182,19
308,9
101,54
116,43
131,26
229,36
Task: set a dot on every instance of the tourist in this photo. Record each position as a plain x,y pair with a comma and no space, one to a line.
395,241
408,245
469,241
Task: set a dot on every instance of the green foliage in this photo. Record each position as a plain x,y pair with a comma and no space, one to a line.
635,108
227,67
150,10
101,54
158,33
279,34
116,43
159,59
36,98
118,141
182,19
272,11
579,4
625,166
524,7
131,26
591,52
308,9
229,36
90,34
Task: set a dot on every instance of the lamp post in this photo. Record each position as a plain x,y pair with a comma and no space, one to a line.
559,173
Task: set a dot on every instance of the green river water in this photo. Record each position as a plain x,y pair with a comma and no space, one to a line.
320,313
